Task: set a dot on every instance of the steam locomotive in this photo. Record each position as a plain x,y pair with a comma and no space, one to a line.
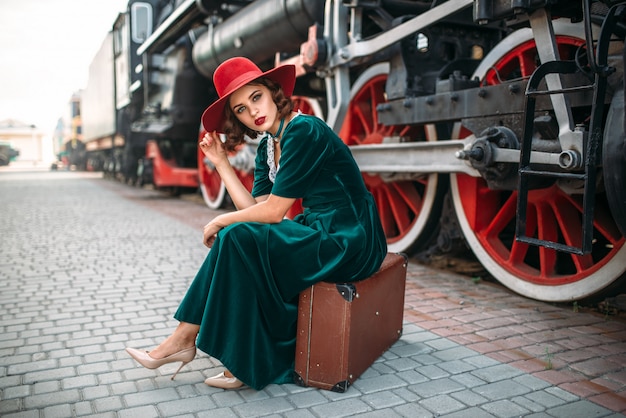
501,122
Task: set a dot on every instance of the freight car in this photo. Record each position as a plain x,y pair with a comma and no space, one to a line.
497,121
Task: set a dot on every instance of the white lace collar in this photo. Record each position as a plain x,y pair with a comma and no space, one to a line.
271,162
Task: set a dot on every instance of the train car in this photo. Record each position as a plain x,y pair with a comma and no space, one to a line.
98,110
140,113
499,123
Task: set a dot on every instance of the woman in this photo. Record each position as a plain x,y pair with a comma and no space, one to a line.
241,308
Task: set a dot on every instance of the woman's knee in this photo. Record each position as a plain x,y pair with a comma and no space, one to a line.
240,234
235,231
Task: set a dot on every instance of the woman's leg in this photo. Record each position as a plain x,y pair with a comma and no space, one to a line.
189,313
183,337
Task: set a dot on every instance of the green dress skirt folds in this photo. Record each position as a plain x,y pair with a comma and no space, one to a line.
245,295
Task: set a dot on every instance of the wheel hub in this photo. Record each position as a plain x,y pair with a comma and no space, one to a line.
481,157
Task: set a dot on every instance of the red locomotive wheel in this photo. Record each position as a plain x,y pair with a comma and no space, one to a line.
487,216
409,209
211,186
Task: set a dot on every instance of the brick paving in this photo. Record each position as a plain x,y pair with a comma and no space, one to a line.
582,353
90,266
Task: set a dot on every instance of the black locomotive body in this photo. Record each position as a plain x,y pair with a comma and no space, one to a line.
500,122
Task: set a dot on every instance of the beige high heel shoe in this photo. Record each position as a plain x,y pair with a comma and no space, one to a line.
148,362
224,382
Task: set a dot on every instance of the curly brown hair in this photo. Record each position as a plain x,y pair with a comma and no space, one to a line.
235,130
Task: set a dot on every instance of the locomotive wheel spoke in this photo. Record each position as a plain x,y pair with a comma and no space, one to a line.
405,204
546,230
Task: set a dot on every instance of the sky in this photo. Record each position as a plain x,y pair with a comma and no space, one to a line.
46,47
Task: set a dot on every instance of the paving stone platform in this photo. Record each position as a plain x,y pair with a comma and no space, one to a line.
89,266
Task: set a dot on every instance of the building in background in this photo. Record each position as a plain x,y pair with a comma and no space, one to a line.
22,142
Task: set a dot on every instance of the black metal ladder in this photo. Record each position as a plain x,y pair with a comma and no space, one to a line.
601,71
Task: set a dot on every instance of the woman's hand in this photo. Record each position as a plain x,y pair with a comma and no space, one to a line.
210,231
213,148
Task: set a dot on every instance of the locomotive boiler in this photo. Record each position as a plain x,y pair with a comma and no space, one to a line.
498,122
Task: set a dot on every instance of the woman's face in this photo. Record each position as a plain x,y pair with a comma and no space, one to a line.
254,106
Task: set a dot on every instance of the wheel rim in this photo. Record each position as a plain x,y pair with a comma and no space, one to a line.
307,105
487,217
211,185
405,207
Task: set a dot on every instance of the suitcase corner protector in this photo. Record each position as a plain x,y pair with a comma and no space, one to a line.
298,380
406,258
341,387
347,291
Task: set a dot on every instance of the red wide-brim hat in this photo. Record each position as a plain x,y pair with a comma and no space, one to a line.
235,73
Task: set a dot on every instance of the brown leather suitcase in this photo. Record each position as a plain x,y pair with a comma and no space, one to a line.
343,328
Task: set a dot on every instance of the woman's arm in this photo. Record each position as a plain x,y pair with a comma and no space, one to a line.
271,210
265,209
238,193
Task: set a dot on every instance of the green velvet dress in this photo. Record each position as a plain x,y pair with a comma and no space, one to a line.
245,295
